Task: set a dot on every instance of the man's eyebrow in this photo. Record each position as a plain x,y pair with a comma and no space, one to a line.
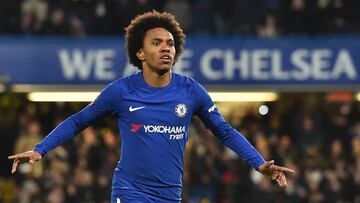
159,39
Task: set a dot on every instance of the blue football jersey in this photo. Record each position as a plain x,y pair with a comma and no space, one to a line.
154,124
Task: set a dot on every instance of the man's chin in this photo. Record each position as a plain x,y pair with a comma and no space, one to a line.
163,70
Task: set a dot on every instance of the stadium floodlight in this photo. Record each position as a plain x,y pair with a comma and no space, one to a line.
2,88
90,96
62,96
358,96
243,96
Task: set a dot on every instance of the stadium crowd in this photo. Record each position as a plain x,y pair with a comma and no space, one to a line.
317,138
264,18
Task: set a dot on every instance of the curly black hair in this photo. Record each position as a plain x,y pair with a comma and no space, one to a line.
136,31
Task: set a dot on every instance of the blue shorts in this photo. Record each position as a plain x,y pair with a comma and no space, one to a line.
135,197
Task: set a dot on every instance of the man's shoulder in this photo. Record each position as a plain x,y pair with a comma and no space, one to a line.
185,80
120,84
125,79
188,82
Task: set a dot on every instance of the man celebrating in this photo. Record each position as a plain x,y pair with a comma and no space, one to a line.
154,108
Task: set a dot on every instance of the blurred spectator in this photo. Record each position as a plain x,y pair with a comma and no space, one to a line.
246,15
272,5
34,14
9,16
269,28
27,23
338,16
30,192
308,134
105,18
78,171
57,24
296,18
56,195
25,142
200,17
284,150
77,28
181,9
337,152
8,190
132,8
222,17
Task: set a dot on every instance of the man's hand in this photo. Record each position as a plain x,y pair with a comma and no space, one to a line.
276,172
29,156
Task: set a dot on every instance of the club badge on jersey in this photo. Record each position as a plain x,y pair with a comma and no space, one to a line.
181,110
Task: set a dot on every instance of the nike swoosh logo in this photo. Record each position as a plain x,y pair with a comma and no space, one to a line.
131,109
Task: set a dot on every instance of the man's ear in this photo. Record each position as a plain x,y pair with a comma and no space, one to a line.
140,55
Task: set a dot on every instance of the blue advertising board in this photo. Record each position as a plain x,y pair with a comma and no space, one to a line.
211,61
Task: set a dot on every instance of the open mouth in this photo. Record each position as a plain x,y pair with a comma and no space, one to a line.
166,58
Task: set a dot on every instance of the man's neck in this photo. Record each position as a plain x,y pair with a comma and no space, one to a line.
155,79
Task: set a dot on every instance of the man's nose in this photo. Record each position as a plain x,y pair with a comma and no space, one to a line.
165,48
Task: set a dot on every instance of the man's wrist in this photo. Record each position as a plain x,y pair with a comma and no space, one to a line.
39,151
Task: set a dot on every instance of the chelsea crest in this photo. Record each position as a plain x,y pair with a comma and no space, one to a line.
181,110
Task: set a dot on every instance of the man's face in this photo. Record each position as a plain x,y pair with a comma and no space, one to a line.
158,51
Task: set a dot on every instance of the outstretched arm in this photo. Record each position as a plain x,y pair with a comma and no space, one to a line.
71,126
213,120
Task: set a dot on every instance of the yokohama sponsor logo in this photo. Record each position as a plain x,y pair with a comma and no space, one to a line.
164,129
